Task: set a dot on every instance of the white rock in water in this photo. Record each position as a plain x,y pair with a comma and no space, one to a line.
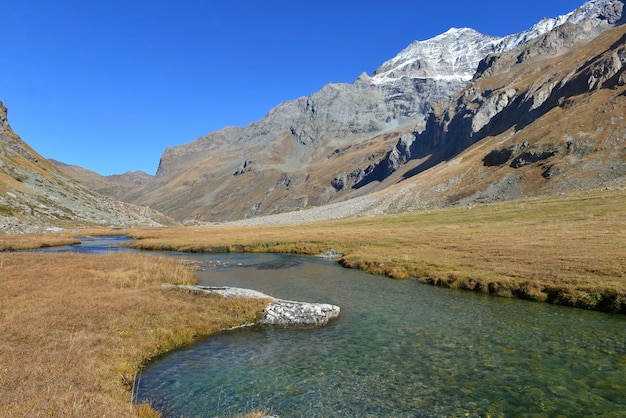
286,313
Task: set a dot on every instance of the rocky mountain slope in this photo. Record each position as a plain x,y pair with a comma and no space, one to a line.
555,127
114,185
460,118
512,90
552,128
35,196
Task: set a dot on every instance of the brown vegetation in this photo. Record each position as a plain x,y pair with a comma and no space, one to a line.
567,250
31,241
77,328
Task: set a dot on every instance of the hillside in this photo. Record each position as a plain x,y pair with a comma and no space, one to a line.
417,111
461,118
114,185
550,122
36,196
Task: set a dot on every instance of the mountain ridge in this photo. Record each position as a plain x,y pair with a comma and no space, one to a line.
473,123
36,196
350,140
550,155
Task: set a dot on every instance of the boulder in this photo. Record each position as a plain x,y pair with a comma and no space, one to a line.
288,313
284,313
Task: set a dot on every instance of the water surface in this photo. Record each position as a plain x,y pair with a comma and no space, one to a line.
91,245
399,349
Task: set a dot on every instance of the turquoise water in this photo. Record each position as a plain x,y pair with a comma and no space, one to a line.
399,349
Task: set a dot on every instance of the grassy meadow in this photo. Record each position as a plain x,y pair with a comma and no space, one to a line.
568,250
77,328
30,241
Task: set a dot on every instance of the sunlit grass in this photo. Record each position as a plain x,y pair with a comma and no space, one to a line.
568,249
76,328
31,241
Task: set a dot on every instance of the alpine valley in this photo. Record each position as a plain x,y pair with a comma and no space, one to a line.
459,119
36,196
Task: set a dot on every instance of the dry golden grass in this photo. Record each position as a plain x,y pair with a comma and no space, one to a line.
76,328
31,241
567,250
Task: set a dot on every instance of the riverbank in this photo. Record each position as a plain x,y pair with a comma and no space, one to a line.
78,328
567,250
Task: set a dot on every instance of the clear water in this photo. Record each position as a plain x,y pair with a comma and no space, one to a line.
91,245
399,349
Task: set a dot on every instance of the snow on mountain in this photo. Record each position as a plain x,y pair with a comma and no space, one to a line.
594,11
545,25
456,53
334,143
453,54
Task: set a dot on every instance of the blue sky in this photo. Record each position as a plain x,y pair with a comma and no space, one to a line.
109,84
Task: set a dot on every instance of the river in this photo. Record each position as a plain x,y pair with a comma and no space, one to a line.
399,349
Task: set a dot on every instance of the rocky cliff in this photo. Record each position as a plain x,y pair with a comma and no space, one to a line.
514,89
398,93
35,196
548,125
557,123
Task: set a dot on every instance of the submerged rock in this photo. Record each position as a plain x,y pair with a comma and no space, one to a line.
285,313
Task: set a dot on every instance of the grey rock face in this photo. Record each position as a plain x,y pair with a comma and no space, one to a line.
402,91
289,314
4,122
475,113
337,112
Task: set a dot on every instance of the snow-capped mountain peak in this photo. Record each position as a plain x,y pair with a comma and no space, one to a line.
545,25
596,12
452,54
455,54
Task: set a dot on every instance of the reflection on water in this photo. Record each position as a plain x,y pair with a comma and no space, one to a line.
91,245
399,349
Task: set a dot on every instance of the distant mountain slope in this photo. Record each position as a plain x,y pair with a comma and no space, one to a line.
548,125
436,102
36,196
558,124
115,186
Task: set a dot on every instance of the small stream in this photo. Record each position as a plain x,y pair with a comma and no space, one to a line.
399,349
91,245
